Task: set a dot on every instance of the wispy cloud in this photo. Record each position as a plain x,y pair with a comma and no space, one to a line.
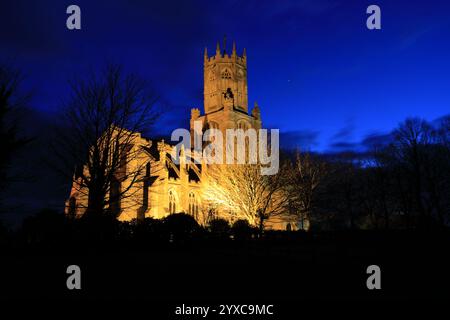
299,139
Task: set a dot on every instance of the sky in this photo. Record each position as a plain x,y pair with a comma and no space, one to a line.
318,74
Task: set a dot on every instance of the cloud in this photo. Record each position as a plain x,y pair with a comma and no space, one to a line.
298,139
373,140
343,146
345,133
342,139
367,143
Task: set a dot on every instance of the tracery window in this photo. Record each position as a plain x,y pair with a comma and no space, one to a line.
193,205
172,202
226,74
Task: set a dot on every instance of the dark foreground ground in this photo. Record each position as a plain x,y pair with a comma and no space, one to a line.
287,270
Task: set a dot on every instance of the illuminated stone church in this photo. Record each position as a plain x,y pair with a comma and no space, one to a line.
168,187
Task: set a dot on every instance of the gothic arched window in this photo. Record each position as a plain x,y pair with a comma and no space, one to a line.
172,202
193,205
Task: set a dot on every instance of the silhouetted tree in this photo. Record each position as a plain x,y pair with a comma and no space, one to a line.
442,169
411,137
12,100
47,227
181,226
103,116
304,176
148,231
377,191
338,204
242,230
219,227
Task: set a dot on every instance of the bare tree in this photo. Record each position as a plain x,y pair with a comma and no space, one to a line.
105,116
443,169
410,141
305,175
12,101
443,133
380,187
242,192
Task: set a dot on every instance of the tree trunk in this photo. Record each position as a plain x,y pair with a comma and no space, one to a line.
95,203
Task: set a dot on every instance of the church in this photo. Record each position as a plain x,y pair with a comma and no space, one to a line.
169,187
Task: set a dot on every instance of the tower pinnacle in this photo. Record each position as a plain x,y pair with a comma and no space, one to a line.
218,49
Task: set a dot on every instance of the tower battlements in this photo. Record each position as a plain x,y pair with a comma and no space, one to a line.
225,80
223,56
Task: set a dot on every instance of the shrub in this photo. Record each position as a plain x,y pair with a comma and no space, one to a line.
148,230
93,230
219,227
46,227
180,226
242,230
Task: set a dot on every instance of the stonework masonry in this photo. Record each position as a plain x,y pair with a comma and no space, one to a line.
167,187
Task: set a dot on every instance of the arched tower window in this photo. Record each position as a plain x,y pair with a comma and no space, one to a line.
172,202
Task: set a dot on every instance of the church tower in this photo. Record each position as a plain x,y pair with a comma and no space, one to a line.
225,80
225,92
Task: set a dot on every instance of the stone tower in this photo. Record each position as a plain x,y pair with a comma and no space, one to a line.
225,93
225,81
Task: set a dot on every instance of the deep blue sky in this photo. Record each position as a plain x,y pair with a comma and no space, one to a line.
316,71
